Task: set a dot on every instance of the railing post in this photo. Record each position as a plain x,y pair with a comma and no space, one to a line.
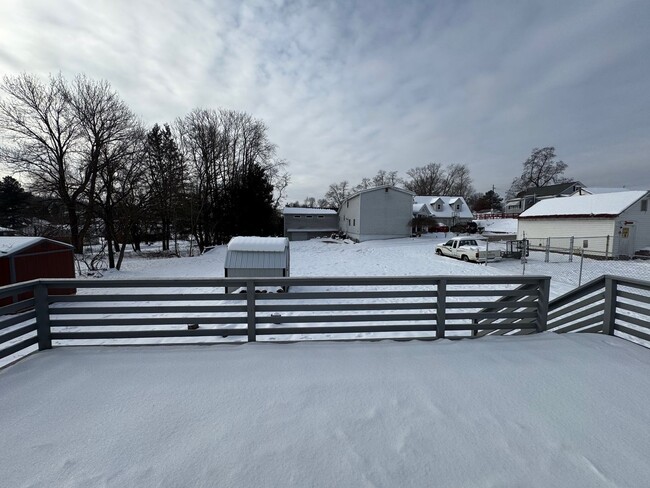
542,304
441,308
571,241
42,309
609,313
250,310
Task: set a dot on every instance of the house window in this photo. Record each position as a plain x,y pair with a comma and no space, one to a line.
320,216
458,206
439,207
296,216
309,216
354,222
347,204
644,205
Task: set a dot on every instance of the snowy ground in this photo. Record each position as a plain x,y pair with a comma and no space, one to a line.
531,411
396,257
542,410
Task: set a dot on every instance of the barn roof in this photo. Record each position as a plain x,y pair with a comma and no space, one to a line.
257,252
11,245
259,244
599,205
256,260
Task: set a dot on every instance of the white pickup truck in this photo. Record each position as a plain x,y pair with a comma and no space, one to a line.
467,249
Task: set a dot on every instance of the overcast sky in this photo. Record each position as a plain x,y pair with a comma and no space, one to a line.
349,88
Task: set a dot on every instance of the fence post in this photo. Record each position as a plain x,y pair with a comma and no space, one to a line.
441,308
582,258
250,310
548,250
571,249
609,312
42,308
607,247
542,303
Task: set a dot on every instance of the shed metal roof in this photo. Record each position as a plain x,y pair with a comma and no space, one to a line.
11,245
257,260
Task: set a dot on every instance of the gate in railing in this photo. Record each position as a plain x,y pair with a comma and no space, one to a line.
198,310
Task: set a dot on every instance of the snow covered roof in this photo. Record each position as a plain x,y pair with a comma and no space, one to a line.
307,211
447,209
597,190
258,244
11,244
600,205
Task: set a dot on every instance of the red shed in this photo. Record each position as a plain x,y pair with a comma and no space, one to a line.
28,258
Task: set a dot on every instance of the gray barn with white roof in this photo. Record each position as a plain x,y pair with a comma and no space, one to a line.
257,257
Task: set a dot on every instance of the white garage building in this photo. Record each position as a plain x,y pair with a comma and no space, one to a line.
612,224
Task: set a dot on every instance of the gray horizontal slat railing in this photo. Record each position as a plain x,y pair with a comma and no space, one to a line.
607,307
424,306
17,319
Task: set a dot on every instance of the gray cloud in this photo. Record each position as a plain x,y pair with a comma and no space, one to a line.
349,88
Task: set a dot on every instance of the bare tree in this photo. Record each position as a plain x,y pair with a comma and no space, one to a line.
227,150
458,181
337,193
107,127
385,178
433,179
42,134
540,169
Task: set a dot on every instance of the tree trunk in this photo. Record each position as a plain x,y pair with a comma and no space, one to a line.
121,256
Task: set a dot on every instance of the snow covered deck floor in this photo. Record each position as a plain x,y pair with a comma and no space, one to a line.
536,411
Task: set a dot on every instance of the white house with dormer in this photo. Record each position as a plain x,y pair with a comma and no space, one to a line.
447,210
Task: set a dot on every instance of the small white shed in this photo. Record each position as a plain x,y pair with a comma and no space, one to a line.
256,257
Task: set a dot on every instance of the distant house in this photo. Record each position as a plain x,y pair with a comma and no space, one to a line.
447,210
382,212
528,198
5,231
301,224
251,257
623,216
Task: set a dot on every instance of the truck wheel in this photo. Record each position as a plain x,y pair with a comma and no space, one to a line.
465,258
438,252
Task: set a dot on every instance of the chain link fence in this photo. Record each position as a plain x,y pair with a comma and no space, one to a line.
573,260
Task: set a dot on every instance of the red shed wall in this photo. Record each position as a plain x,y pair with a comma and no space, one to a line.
43,260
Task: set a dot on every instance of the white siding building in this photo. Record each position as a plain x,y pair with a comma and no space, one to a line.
448,210
383,212
623,216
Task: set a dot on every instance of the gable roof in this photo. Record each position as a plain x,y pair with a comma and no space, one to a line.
548,191
375,188
599,205
447,211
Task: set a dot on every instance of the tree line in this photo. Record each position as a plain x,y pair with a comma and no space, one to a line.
540,169
210,174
